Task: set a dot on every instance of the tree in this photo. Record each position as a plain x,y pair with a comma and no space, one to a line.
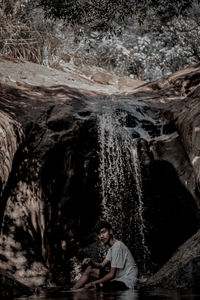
103,14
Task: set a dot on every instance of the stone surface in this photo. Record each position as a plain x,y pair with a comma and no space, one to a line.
10,287
128,84
17,73
182,270
49,132
11,136
103,78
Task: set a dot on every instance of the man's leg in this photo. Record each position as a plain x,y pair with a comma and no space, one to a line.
89,272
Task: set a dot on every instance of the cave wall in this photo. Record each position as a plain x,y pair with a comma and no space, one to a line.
171,200
170,212
52,195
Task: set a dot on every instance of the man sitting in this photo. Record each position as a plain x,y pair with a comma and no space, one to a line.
123,271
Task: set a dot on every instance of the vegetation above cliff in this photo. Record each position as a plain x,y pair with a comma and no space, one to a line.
141,39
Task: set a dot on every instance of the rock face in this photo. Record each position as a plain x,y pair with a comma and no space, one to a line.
56,179
182,270
10,287
11,136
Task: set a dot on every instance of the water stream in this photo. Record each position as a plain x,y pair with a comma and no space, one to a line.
120,177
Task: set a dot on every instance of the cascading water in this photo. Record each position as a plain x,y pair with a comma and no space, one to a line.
121,182
140,223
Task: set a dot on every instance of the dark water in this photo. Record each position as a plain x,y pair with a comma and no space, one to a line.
156,294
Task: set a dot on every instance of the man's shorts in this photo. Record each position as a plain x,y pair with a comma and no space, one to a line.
114,285
103,273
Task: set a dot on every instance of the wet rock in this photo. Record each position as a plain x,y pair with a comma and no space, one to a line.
10,287
189,128
11,136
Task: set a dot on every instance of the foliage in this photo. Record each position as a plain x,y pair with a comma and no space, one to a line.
148,51
105,14
140,39
97,14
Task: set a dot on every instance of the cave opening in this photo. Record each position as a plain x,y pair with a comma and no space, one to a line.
70,186
70,177
170,212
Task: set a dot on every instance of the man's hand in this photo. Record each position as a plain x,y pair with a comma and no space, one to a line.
90,285
87,261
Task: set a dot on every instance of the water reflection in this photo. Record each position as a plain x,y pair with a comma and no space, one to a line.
165,294
156,294
85,295
100,295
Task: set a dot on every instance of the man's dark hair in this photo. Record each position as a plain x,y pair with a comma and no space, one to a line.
102,224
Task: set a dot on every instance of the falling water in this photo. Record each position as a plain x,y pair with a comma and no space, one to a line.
120,175
140,207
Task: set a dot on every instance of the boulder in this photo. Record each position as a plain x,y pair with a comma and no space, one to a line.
10,287
103,78
183,268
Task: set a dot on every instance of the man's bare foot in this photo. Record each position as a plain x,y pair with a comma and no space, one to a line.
90,285
77,290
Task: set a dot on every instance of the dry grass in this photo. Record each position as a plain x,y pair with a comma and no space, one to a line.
19,40
20,37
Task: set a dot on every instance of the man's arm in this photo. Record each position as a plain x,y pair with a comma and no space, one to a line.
101,265
95,264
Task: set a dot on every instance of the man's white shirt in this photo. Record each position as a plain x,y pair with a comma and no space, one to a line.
121,258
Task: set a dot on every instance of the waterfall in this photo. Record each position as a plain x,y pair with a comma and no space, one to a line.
120,179
140,207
